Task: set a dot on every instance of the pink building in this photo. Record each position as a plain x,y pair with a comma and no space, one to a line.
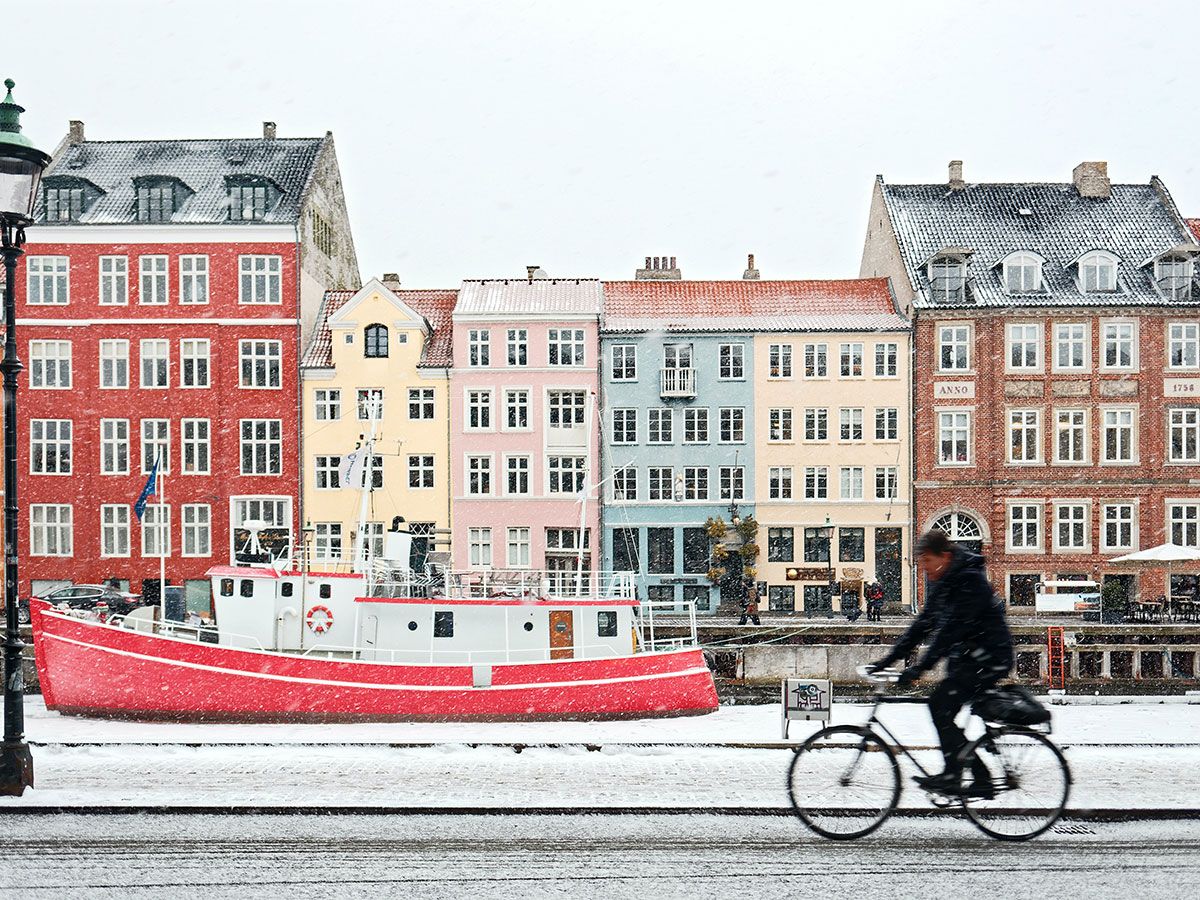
524,428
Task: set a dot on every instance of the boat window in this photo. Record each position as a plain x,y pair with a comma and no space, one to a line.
325,591
606,623
529,626
285,589
412,626
247,587
443,624
226,587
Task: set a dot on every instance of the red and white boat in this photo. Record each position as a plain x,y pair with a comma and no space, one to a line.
388,645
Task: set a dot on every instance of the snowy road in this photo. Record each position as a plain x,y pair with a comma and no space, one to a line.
579,856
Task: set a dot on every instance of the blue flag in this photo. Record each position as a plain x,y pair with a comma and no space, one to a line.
139,508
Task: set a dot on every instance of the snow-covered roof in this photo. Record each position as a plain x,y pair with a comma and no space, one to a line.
502,297
437,306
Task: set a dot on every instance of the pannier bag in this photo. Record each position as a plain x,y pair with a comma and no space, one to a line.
1011,704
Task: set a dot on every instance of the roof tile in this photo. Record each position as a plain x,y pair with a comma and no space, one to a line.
437,306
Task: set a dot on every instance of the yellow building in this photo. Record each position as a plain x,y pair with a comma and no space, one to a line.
389,349
832,444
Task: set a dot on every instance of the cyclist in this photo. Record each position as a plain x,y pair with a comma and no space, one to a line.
969,630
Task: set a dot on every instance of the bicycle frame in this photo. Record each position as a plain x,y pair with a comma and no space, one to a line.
874,723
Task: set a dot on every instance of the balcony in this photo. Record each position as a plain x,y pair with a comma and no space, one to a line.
677,383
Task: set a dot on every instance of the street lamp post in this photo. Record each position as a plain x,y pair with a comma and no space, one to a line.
827,533
21,167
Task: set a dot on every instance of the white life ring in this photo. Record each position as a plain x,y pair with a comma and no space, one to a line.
319,619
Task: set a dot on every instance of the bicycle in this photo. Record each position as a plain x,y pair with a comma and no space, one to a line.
844,781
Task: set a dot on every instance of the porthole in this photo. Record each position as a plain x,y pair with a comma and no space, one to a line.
412,626
528,626
325,591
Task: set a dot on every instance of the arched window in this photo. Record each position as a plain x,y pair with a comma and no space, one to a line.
1022,273
962,529
375,341
947,279
1173,272
1097,272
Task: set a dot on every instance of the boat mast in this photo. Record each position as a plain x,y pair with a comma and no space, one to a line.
590,410
163,539
361,553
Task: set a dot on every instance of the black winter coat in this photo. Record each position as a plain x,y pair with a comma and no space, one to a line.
967,621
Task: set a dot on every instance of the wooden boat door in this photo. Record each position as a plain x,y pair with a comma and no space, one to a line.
562,634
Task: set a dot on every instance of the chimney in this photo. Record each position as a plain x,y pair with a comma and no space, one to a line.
1091,180
390,280
529,270
268,131
956,179
751,273
75,132
659,268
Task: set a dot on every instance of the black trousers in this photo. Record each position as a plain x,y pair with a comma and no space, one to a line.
959,688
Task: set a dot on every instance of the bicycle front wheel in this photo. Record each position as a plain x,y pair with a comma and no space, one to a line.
844,782
1028,786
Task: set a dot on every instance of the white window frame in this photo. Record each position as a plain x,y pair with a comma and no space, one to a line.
270,354
273,439
196,520
850,360
1010,521
735,418
327,404
624,478
325,536
114,281
154,280
887,483
779,362
156,351
566,347
425,470
62,443
479,348
197,351
779,425
260,280
695,483
736,354
1081,428
1133,435
51,529
515,399
364,399
816,482
1184,420
1025,420
569,469
326,475
195,438
516,347
627,369
656,416
851,480
478,405
423,401
484,466
1185,336
969,413
118,355
156,531
850,418
1132,339
523,473
479,547
518,547
624,425
156,434
48,272
731,482
1029,267
1105,507
114,437
660,482
193,279
1017,334
1097,260
816,359
114,530
50,365
889,418
958,337
1065,333
1086,521
1185,522
816,425
781,482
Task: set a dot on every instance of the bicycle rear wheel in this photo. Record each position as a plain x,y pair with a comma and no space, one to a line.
1030,780
844,782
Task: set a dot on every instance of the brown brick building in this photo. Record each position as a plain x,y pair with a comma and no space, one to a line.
1056,370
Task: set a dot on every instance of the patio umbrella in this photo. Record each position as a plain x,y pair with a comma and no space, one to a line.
1162,556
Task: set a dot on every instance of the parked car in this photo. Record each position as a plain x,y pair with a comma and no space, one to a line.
85,596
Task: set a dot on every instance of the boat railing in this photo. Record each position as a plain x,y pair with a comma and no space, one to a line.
498,656
199,633
494,584
644,615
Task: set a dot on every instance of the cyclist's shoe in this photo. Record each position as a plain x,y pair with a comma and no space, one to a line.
980,789
945,783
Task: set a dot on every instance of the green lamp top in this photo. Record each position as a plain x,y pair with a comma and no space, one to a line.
10,123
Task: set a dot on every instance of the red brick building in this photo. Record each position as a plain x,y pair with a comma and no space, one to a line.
1056,371
167,289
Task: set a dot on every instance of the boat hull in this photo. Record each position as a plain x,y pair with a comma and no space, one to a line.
88,668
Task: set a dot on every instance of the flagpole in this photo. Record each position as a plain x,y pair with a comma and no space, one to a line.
162,549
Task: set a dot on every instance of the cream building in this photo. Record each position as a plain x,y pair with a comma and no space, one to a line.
390,349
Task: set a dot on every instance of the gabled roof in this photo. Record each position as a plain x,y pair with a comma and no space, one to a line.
202,165
1194,225
437,306
855,304
499,297
1138,222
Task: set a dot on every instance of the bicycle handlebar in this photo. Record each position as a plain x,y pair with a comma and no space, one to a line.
879,676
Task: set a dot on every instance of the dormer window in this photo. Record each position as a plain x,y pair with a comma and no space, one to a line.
67,199
948,279
375,341
1097,272
1173,275
251,198
1023,273
158,198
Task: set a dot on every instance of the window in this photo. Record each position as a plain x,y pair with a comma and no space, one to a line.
624,362
518,347
479,476
1097,272
518,548
370,403
781,597
375,341
816,364
155,200
1119,345
262,446
887,481
193,279
1024,526
370,546
852,482
779,483
1070,346
156,361
660,546
1070,440
1185,435
516,409
947,280
1183,520
52,531
606,623
733,482
479,347
1024,347
50,365
114,364
852,544
479,547
1184,340
566,346
114,280
954,438
624,482
781,545
954,348
327,541
733,425
50,446
194,360
114,446
662,483
1173,273
851,360
197,529
248,198
695,551
695,425
329,404
195,436
156,445
567,409
732,359
327,476
886,360
1024,435
64,203
1118,526
479,410
1119,436
1071,526
780,427
420,470
851,422
887,424
816,545
420,403
156,530
660,426
1022,273
816,424
114,529
153,282
566,474
816,483
261,279
261,363
517,475
779,360
47,281
624,427
695,483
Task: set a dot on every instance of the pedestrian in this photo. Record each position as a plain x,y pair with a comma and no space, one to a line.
750,607
875,602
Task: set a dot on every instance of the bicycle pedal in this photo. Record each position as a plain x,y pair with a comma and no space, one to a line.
941,801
